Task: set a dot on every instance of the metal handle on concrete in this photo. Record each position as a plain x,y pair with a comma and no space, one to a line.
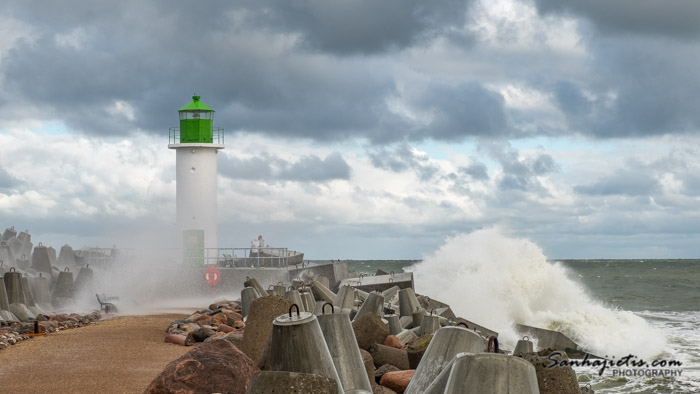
12,269
526,338
271,287
587,388
493,345
290,310
431,312
392,273
323,308
463,324
280,283
391,279
66,270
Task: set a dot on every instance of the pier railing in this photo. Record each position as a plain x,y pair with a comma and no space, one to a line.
265,257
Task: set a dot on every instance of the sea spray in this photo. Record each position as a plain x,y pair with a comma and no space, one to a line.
498,281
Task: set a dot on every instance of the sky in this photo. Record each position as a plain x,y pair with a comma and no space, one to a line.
359,129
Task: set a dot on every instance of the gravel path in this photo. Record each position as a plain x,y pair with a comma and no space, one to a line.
121,355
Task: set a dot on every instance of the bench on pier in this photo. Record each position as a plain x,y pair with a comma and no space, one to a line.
105,304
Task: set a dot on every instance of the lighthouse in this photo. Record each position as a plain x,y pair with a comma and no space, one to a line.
196,143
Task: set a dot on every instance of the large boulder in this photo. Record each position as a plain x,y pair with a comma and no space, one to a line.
212,367
369,329
258,327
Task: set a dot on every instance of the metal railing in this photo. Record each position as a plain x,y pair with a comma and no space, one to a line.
217,135
265,257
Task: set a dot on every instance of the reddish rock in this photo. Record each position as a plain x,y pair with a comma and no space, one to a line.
238,325
383,370
397,381
219,318
224,328
177,339
393,341
231,316
213,367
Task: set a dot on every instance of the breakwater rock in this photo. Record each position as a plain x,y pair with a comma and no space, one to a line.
295,344
16,331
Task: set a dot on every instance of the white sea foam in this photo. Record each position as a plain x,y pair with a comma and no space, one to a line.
498,281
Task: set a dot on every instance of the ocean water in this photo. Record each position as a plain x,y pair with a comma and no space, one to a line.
649,309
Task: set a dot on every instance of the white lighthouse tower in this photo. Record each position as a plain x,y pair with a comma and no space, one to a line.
196,143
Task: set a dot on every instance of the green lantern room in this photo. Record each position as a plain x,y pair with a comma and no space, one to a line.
196,122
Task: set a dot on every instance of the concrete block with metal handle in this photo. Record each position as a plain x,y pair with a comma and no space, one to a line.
491,373
373,304
5,314
248,295
340,338
15,296
445,344
297,344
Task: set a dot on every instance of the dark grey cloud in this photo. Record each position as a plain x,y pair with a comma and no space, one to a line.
464,110
677,18
363,26
642,87
269,168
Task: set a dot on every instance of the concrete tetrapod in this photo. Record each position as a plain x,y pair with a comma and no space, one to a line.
429,325
408,303
340,338
437,386
66,257
446,343
15,296
5,314
42,295
297,345
373,304
252,282
322,293
64,290
248,295
308,300
391,292
393,323
83,283
523,346
294,296
9,232
492,373
29,298
40,259
345,298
